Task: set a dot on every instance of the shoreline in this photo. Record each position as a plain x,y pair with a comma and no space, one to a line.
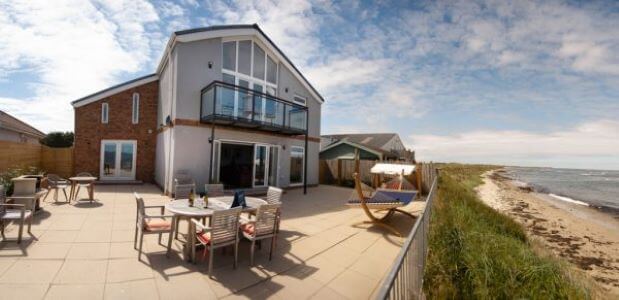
585,236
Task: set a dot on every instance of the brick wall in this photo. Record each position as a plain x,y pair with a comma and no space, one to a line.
89,131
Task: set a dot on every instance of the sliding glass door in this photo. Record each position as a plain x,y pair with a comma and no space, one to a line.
260,165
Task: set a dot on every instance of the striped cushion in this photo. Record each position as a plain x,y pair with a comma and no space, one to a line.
157,225
204,238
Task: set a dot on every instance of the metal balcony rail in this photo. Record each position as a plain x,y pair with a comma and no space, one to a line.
224,103
405,279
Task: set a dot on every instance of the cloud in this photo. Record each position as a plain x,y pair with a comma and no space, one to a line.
595,142
70,49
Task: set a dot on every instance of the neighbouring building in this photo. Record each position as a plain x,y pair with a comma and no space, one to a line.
371,146
14,130
225,105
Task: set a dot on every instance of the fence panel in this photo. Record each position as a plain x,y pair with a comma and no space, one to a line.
57,160
19,155
405,279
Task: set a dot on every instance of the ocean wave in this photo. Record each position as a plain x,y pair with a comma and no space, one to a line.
567,199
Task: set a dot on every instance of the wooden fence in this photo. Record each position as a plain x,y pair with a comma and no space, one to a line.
340,172
50,160
57,160
19,155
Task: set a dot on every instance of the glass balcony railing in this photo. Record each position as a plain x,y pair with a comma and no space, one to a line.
223,103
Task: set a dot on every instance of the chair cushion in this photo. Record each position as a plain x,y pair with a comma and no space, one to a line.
248,228
204,237
157,225
15,214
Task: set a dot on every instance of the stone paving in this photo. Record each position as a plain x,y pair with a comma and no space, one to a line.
85,251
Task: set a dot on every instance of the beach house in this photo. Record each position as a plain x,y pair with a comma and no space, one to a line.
224,105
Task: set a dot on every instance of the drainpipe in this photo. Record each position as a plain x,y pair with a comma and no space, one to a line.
210,167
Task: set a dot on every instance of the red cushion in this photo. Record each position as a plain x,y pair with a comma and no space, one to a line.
248,228
203,237
157,225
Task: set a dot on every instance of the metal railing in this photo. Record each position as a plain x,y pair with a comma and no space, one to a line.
235,105
405,279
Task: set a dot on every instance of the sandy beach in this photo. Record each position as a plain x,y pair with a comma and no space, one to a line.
584,236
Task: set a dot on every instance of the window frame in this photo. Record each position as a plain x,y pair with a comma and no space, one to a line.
297,96
135,112
253,80
105,113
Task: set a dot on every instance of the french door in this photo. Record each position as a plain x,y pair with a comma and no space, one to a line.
118,159
264,163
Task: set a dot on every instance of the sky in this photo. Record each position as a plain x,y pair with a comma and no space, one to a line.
530,83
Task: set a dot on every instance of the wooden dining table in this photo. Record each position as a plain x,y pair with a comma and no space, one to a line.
82,180
181,209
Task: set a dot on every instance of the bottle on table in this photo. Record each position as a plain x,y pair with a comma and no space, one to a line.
191,198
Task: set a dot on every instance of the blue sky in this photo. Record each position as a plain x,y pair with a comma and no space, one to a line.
522,82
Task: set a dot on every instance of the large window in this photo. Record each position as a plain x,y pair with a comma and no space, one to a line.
247,64
296,165
247,60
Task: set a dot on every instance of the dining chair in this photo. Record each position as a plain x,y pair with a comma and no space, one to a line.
223,231
182,191
261,226
214,189
87,186
14,212
55,182
150,224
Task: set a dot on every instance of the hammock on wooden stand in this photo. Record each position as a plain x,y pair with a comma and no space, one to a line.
382,199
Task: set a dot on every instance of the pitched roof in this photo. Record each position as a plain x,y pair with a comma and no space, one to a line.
113,90
241,27
371,140
13,124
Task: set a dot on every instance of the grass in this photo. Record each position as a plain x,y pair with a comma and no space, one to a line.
476,252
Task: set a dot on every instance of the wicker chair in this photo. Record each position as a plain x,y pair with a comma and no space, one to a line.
262,226
274,196
55,182
214,189
87,186
183,184
223,231
150,224
14,212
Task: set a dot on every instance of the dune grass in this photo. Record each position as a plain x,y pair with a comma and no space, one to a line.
476,252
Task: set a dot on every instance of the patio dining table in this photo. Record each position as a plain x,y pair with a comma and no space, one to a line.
181,209
82,180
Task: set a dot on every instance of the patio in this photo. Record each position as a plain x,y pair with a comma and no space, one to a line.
86,250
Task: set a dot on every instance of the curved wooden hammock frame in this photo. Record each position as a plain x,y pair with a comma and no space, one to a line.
391,208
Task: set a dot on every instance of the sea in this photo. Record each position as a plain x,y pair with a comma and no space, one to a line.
594,188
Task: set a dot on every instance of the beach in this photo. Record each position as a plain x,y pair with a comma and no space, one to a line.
584,236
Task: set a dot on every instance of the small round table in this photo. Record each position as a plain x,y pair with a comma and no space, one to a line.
181,209
82,180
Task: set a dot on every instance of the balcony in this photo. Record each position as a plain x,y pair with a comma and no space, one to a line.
226,104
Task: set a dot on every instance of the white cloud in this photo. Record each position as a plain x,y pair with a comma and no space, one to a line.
71,48
595,143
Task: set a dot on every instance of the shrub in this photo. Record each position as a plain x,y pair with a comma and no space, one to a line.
6,176
58,139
